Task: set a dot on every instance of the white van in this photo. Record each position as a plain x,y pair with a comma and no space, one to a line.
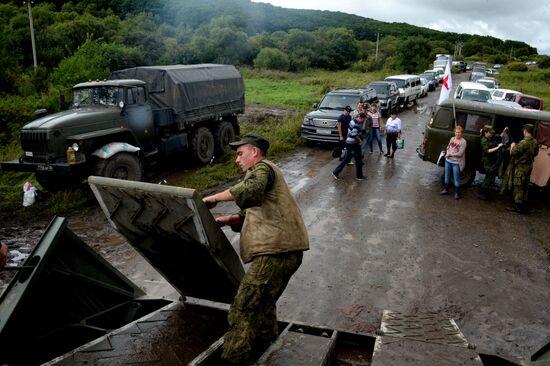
468,90
409,87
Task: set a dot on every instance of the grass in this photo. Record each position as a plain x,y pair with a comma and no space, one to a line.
534,82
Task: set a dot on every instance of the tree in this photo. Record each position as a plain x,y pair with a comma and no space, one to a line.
272,58
413,55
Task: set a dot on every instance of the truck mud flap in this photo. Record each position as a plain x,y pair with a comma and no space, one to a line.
175,231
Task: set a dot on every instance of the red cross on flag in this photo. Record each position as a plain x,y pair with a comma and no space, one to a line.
447,84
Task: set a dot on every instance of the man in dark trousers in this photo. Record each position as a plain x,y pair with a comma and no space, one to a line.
491,146
273,237
519,169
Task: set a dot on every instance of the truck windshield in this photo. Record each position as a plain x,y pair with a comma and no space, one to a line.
339,102
103,95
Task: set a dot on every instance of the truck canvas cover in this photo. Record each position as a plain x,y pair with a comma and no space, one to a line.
188,89
175,231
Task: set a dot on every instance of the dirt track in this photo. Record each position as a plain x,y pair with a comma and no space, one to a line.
392,243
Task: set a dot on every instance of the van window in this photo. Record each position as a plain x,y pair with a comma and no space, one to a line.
514,125
399,82
443,119
472,122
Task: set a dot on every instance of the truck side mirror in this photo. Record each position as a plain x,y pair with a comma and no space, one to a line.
122,107
315,105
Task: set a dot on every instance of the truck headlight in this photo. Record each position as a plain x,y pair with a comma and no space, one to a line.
75,146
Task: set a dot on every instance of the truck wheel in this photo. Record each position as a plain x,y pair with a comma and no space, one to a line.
54,183
223,135
203,145
124,166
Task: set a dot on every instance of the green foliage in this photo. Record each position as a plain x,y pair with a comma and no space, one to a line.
413,55
517,66
282,94
544,62
272,58
15,111
533,82
92,61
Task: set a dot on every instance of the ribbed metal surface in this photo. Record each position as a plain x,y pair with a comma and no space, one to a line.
35,141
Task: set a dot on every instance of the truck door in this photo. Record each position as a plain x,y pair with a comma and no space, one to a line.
139,113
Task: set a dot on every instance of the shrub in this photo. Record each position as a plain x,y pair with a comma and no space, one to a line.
272,58
517,66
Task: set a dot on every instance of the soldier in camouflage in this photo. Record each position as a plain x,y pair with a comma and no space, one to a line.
491,146
519,170
273,237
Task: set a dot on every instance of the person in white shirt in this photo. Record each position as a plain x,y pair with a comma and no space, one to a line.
393,132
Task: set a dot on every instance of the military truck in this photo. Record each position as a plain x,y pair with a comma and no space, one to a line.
116,127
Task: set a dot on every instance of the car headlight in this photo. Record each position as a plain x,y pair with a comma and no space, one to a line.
75,146
308,121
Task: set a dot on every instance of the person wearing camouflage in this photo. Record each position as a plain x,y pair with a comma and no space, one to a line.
273,237
519,169
491,146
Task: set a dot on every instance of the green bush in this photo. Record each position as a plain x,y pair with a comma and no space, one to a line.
544,62
517,66
272,58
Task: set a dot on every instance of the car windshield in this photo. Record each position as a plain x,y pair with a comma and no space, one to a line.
476,95
478,69
427,76
102,95
488,83
529,103
381,89
339,102
400,83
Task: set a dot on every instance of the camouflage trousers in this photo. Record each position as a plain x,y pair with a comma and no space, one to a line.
253,315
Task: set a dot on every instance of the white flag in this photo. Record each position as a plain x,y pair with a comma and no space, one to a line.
447,84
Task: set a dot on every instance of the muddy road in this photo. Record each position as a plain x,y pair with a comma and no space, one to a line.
391,242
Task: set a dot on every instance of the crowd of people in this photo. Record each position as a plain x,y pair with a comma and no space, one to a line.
514,164
357,130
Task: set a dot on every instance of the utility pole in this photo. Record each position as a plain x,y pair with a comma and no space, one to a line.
377,40
32,35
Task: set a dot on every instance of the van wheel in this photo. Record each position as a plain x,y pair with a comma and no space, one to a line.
124,166
467,176
202,145
223,135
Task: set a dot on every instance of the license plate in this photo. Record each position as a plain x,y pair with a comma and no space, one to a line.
28,153
324,132
44,168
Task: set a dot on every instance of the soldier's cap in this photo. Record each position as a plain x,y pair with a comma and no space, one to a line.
348,108
529,128
252,139
488,128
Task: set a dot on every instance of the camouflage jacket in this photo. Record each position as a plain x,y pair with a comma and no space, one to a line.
490,160
524,153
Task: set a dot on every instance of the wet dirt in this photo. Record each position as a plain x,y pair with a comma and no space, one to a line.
391,242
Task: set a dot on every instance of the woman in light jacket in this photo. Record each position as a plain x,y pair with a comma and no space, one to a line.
455,161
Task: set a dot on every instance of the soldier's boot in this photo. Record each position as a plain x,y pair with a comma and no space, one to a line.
516,208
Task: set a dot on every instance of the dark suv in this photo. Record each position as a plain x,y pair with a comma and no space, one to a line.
387,94
320,125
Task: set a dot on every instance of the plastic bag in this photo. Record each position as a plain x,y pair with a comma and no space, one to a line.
400,143
29,194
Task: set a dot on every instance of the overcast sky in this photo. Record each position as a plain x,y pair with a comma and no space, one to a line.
505,19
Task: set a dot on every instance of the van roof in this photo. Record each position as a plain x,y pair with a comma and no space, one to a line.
495,109
402,77
472,85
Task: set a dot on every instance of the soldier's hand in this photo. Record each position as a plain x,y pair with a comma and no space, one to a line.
210,202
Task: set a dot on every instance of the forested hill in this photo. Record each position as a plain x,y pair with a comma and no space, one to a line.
256,18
